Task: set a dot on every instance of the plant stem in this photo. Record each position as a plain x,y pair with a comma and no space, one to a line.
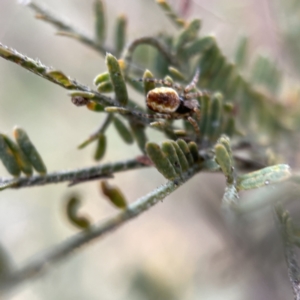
74,176
152,41
45,72
66,29
39,265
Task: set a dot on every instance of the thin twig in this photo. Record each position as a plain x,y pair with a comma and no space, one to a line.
84,174
39,264
66,29
46,72
36,67
151,41
95,135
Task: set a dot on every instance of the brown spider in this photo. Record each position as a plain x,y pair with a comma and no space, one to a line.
168,103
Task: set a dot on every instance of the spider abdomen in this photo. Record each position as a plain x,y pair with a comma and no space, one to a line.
163,100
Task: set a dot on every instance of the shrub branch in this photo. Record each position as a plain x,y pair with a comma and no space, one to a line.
66,29
40,264
74,176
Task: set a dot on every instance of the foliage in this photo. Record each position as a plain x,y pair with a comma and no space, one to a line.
236,111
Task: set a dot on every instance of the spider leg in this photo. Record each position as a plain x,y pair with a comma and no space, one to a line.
156,116
195,95
197,112
163,82
193,83
194,124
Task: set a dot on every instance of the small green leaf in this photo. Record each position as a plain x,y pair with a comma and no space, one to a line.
224,161
101,78
105,87
94,106
228,107
161,161
120,34
169,79
123,131
148,85
194,151
29,150
198,46
61,78
115,109
264,177
205,112
72,207
8,158
117,79
188,34
170,152
206,62
139,135
101,147
176,74
215,116
171,14
114,195
87,95
225,141
186,151
22,160
181,157
100,26
230,127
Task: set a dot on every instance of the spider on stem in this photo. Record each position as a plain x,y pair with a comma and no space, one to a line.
171,101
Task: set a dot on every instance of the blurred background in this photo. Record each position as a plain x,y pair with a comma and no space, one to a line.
180,249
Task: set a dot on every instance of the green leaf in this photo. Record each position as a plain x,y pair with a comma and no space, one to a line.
160,160
101,147
61,78
76,93
100,24
169,150
215,116
101,78
181,156
8,158
22,160
94,106
186,151
114,195
187,34
198,46
264,177
72,207
224,161
194,151
171,14
117,79
120,34
123,131
29,150
139,135
176,74
105,87
148,85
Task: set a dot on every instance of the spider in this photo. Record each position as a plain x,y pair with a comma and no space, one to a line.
172,101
